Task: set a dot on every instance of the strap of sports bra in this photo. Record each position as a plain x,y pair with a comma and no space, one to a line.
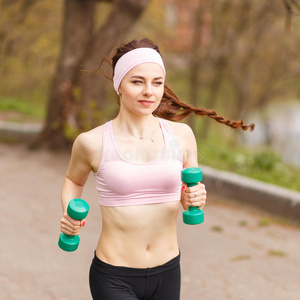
171,141
108,150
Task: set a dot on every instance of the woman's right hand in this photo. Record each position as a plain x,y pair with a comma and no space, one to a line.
70,226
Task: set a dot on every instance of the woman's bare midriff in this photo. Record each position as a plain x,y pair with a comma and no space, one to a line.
142,236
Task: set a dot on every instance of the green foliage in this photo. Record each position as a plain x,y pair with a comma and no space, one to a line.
261,164
70,132
30,43
21,110
266,161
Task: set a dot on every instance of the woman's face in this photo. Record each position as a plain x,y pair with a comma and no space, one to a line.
142,88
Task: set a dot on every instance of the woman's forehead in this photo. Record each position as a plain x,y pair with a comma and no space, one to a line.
152,70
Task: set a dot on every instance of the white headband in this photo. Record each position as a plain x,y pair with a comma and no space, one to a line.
133,58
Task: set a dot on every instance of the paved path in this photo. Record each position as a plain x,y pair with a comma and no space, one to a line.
231,256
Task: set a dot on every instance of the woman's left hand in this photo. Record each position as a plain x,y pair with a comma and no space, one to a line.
195,195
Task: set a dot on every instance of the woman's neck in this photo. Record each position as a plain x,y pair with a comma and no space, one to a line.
139,127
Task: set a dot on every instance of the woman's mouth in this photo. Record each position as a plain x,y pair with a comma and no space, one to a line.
146,102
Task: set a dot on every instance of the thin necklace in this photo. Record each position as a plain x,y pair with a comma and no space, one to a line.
151,138
146,138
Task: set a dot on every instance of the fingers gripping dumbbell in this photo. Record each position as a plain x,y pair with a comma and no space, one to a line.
77,210
194,215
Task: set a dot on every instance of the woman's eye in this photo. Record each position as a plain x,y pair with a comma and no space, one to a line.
157,83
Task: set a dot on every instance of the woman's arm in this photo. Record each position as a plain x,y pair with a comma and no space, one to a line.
74,181
190,159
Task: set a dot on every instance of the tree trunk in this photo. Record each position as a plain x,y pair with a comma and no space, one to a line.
95,90
72,93
77,30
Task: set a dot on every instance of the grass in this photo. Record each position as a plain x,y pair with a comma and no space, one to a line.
241,257
243,223
217,228
264,222
19,110
277,253
261,164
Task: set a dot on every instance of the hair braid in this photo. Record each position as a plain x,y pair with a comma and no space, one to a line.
171,108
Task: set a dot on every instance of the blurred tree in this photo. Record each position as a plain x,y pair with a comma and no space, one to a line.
73,98
247,60
239,56
201,21
291,6
229,55
29,35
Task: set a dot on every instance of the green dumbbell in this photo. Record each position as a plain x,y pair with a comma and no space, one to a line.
77,210
194,215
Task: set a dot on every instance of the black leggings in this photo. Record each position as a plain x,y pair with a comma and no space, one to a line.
108,282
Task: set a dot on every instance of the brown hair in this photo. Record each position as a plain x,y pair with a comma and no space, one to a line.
171,108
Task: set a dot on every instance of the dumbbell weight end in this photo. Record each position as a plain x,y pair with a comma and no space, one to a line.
68,243
193,216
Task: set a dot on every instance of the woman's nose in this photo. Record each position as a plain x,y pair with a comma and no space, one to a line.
148,90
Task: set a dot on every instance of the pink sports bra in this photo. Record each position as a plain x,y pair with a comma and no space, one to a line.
122,183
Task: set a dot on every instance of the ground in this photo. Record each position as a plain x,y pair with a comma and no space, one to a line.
238,253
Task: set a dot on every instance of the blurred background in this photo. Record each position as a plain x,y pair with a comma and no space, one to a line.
239,58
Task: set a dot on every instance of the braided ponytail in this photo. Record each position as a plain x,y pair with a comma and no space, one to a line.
171,108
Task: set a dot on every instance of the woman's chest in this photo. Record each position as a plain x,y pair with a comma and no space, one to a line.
137,150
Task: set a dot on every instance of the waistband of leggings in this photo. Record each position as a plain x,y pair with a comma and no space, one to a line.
106,268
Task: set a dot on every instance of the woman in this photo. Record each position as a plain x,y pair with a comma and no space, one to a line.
137,159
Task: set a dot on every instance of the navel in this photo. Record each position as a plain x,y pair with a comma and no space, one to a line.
147,247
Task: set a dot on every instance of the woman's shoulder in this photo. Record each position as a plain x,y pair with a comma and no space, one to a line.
180,129
91,137
89,143
87,147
